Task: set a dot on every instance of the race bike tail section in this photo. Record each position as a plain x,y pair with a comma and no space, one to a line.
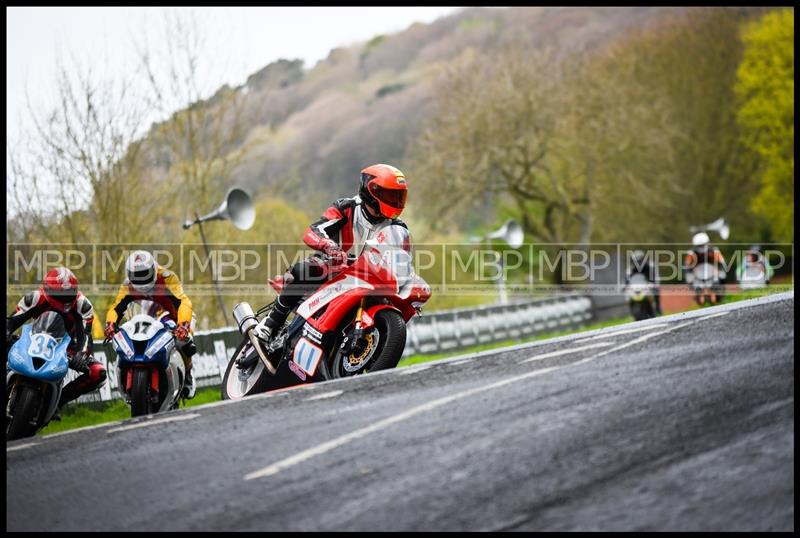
353,324
37,366
150,371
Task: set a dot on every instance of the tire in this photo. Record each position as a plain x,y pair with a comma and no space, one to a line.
648,310
637,311
392,327
26,408
230,390
391,342
140,392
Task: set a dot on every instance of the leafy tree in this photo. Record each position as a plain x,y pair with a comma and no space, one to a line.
496,136
765,87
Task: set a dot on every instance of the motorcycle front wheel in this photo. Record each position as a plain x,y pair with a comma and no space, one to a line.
389,339
140,392
238,383
25,411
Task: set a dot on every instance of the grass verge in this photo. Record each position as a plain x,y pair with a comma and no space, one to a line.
90,414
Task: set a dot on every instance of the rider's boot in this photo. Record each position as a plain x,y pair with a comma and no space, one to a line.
273,322
188,387
188,350
266,330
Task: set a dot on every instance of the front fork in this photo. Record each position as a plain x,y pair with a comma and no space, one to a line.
358,332
154,383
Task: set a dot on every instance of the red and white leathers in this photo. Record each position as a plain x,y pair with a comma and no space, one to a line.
78,319
345,223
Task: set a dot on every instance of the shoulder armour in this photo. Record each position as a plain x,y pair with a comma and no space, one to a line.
84,307
29,300
344,203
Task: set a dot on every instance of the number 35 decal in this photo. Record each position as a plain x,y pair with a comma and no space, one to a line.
42,345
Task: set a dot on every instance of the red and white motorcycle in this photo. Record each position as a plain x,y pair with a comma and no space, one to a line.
353,324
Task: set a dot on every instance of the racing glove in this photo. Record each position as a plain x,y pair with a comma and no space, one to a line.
110,330
335,253
80,362
182,331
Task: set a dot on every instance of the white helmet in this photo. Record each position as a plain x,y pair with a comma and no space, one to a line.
700,239
141,268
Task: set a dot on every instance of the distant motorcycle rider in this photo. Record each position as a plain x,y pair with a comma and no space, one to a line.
640,264
342,230
59,293
703,252
148,281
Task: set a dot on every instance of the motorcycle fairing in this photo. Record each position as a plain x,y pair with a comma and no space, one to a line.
42,346
307,355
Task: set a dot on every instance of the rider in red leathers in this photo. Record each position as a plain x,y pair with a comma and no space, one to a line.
342,231
59,293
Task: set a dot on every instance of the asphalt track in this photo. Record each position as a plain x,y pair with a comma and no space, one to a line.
681,423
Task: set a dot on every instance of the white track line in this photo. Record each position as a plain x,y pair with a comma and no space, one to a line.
318,450
300,457
566,351
20,447
626,331
718,314
459,363
154,422
637,341
325,395
82,430
413,369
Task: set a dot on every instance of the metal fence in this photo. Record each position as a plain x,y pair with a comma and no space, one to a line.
436,332
456,329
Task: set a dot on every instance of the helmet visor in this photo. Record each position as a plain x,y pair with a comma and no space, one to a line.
143,277
392,197
63,296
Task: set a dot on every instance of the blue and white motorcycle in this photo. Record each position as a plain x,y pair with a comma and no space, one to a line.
37,366
150,371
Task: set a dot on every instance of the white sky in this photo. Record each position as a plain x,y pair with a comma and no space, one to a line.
241,40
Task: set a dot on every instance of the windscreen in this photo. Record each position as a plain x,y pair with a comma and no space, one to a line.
51,323
148,308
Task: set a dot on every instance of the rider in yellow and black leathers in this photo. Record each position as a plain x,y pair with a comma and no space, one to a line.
148,281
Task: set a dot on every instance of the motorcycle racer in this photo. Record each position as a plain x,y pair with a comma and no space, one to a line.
146,280
640,264
59,293
341,232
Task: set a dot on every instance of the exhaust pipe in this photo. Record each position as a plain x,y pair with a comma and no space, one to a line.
246,320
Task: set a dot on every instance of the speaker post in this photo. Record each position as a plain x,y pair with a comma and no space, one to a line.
237,208
511,234
213,276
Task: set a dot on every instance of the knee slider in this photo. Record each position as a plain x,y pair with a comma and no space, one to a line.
97,373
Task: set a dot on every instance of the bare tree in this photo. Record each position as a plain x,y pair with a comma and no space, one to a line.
201,138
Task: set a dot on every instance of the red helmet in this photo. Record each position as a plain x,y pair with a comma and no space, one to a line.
384,189
60,288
